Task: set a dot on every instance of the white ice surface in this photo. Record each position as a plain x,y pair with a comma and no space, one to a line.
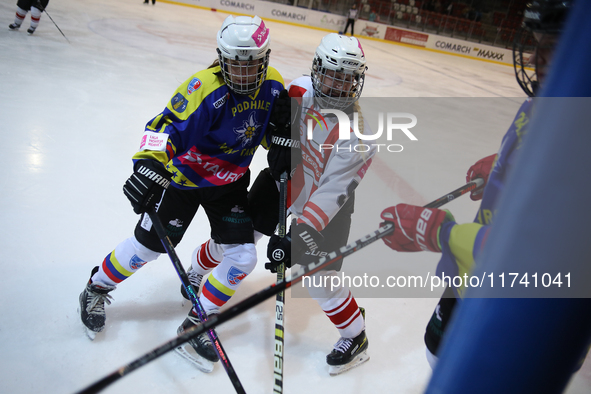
71,116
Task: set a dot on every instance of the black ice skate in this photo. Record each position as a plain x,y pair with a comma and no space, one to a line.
92,306
348,353
200,352
31,30
195,280
14,26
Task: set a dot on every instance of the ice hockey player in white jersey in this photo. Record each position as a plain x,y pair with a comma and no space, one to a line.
322,188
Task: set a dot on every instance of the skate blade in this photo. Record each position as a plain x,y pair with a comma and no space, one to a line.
187,352
334,370
89,333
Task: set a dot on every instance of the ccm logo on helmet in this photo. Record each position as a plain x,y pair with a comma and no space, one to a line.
350,63
422,227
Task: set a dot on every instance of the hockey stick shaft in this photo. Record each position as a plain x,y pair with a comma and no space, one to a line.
280,298
264,294
468,187
217,345
60,30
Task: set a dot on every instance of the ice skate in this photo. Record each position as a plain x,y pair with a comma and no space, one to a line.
14,26
92,306
195,280
199,349
31,30
348,353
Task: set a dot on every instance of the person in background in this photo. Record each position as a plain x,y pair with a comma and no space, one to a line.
351,18
22,7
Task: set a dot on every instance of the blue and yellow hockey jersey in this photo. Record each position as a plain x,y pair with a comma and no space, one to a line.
461,243
207,135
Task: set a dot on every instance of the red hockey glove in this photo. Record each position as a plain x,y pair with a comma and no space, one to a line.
480,169
415,228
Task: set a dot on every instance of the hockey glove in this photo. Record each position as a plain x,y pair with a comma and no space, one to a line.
279,252
145,186
284,152
300,239
480,169
415,228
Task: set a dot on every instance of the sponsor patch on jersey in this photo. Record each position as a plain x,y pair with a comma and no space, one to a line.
219,102
235,276
179,103
193,85
154,141
136,263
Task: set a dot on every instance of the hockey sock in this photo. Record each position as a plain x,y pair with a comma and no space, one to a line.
128,257
206,257
239,260
338,303
346,317
20,16
35,17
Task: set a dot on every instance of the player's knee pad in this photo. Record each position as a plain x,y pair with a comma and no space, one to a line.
143,252
35,12
128,257
241,256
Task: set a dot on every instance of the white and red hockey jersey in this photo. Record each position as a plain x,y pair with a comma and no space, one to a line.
331,168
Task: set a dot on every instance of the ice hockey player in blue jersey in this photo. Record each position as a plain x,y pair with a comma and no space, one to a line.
197,152
461,243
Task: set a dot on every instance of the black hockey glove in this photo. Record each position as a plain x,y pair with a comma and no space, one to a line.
278,252
145,186
300,239
284,152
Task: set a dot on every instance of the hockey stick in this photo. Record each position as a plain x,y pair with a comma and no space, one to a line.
266,293
217,345
57,26
280,299
468,187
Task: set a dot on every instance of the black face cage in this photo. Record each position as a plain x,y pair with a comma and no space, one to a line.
525,43
242,82
335,98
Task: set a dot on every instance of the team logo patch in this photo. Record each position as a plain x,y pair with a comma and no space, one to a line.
235,276
193,85
136,263
178,103
248,130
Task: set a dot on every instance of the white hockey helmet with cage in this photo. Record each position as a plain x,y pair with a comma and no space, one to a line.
338,71
243,51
